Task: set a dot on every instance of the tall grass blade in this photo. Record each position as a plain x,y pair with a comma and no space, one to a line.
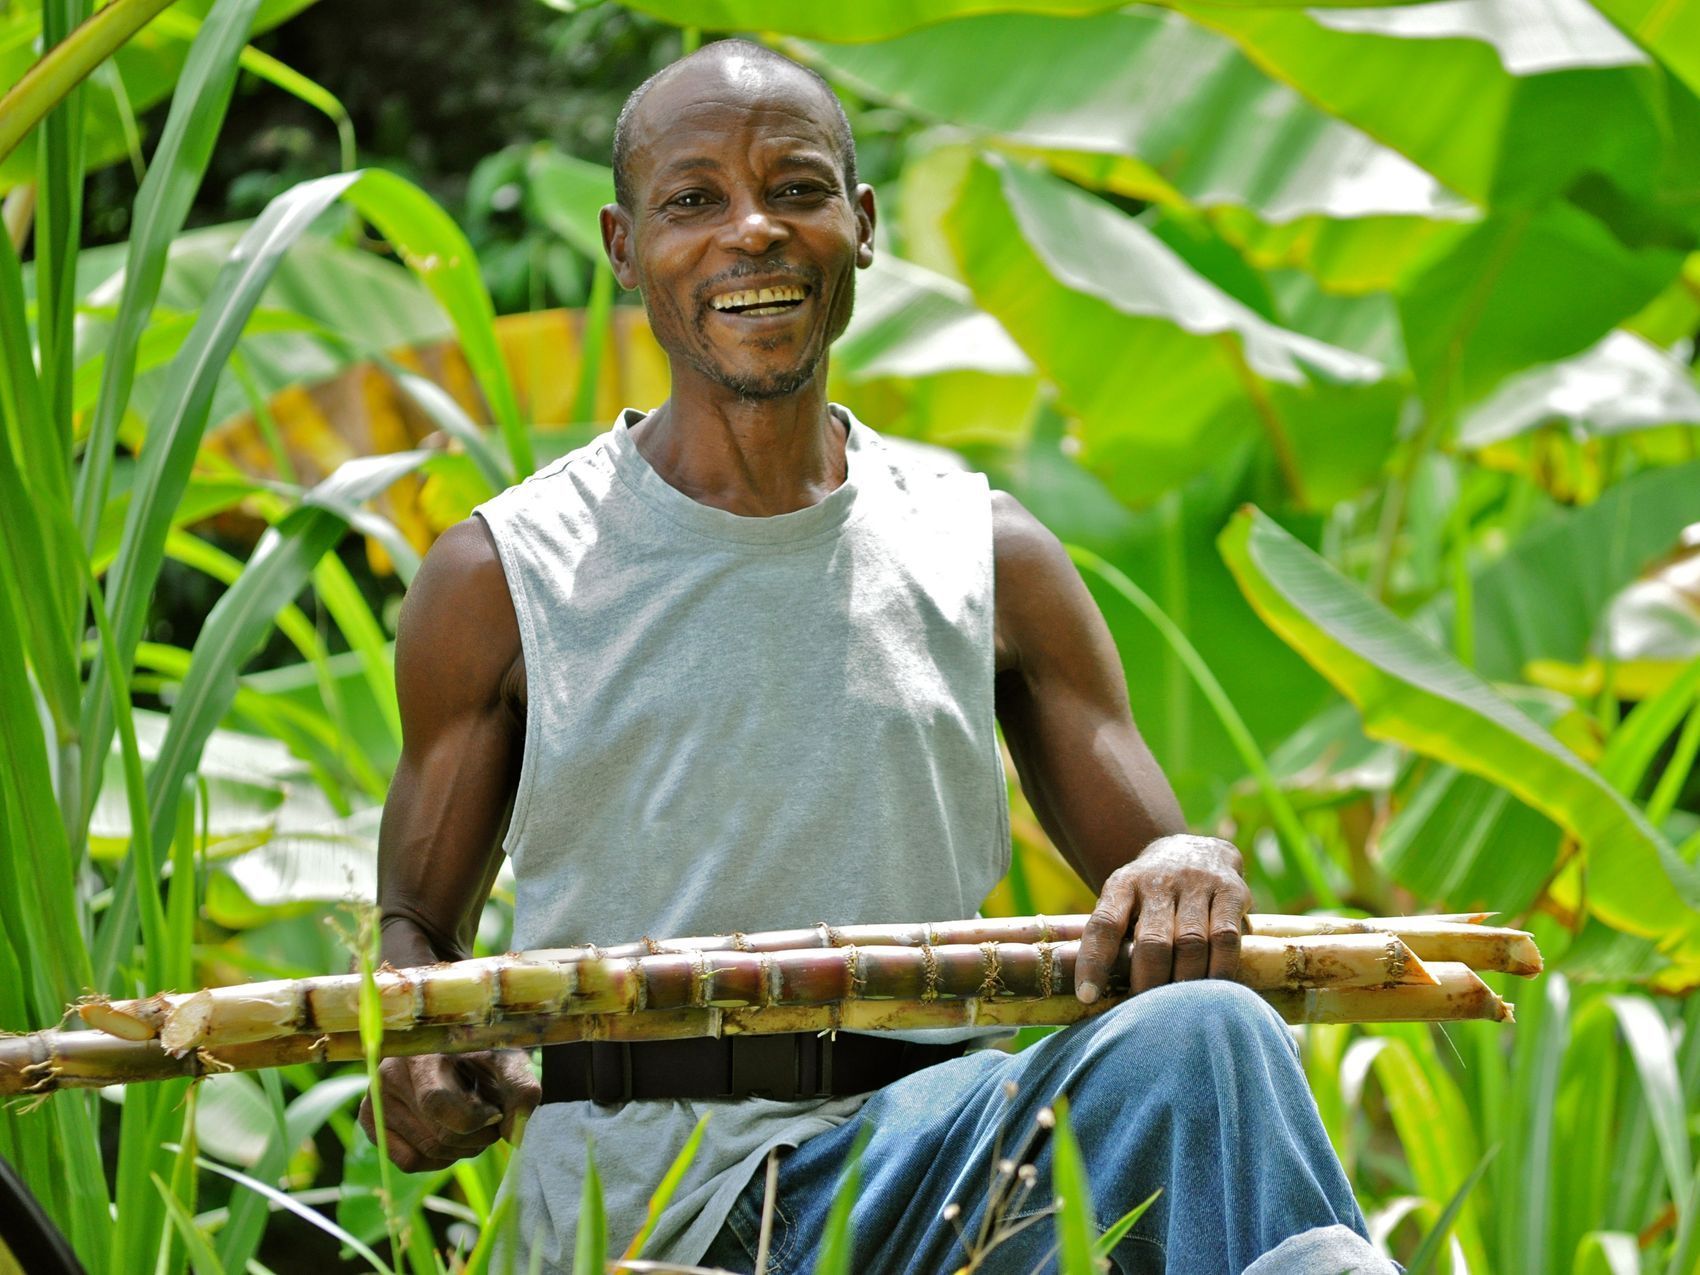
1106,1243
1073,1199
1653,1047
276,573
1432,1121
1630,750
311,1216
664,1193
198,106
155,944
1428,1252
240,1237
427,239
1297,841
186,397
202,1259
27,523
175,22
36,867
590,1251
58,237
1528,1218
67,64
431,245
837,1238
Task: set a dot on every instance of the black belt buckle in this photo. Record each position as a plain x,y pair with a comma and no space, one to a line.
765,1066
610,1065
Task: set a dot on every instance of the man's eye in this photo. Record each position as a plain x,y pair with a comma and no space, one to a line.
690,199
800,188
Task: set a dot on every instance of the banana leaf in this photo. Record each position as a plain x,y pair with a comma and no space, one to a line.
1411,691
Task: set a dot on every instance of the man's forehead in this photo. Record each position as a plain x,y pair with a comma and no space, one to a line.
733,95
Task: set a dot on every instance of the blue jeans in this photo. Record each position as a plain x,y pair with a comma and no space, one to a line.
1193,1090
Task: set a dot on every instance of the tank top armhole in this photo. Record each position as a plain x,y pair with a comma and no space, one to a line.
514,574
981,497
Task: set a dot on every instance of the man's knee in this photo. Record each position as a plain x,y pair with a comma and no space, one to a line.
1183,1032
1206,1013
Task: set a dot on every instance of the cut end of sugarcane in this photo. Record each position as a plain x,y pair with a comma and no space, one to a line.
1523,957
186,1023
127,1020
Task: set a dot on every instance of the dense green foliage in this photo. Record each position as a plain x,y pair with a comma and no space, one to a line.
1349,349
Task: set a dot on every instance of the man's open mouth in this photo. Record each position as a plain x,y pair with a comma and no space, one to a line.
757,302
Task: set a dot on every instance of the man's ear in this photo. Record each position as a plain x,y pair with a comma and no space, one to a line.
617,243
865,215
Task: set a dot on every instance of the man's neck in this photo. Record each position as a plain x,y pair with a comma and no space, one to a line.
753,457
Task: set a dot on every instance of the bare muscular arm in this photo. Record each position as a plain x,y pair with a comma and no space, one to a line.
1092,781
460,683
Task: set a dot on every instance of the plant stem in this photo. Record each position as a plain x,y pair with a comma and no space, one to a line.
1297,840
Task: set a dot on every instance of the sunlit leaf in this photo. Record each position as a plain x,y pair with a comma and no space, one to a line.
1621,383
1413,692
1554,90
869,20
1193,372
1519,289
1131,102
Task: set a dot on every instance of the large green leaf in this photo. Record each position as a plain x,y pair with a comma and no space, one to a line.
1668,29
1165,371
375,304
910,322
1134,101
1461,843
1554,92
870,19
1621,383
1411,691
567,195
1519,289
1595,551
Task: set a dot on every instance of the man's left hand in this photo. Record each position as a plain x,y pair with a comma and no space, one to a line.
1184,900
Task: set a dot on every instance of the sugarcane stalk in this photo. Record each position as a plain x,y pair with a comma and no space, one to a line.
466,991
1457,936
481,991
49,1060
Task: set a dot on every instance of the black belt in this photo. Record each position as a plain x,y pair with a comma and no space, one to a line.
787,1066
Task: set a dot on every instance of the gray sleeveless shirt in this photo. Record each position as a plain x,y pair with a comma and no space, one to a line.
738,724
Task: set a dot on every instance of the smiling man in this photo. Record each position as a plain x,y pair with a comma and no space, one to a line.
738,664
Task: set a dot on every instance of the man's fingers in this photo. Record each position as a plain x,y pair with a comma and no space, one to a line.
433,1113
506,1080
1101,940
1192,937
451,1100
1153,943
1227,921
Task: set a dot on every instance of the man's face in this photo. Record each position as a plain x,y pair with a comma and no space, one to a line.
742,235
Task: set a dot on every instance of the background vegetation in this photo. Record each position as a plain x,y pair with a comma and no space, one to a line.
1351,348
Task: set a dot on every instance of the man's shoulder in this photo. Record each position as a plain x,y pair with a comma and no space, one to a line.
1020,542
545,482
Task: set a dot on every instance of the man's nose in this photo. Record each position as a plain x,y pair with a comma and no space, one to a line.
754,230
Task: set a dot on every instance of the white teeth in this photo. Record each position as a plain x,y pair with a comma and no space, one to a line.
756,296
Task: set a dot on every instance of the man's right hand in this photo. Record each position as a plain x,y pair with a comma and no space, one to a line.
440,1108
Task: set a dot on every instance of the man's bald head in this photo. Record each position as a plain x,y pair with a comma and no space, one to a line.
721,56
